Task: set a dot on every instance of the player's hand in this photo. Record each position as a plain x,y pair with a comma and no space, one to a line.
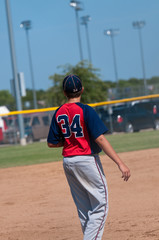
125,171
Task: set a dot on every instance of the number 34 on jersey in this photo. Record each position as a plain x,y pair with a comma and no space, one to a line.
70,128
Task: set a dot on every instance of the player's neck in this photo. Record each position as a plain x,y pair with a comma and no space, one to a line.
73,100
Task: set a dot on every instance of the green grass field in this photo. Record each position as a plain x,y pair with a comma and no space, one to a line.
38,152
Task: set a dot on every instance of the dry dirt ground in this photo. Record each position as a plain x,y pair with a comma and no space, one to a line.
35,201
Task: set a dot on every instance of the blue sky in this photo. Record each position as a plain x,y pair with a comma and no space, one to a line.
54,40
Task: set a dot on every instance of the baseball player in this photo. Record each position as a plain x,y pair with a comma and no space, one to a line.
78,129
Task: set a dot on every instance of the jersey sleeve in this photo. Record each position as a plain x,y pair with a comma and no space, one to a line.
94,124
54,135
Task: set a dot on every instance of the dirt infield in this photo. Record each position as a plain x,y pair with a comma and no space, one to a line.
35,201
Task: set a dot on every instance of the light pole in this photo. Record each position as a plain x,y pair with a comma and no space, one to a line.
15,77
112,33
139,25
77,6
27,25
84,21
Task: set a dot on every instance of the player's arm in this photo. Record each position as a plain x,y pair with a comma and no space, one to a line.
109,151
59,144
55,138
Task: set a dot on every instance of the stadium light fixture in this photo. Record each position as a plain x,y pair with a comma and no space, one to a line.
77,5
27,26
111,33
139,25
84,21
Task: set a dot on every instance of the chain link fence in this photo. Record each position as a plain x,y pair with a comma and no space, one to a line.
37,123
129,92
36,127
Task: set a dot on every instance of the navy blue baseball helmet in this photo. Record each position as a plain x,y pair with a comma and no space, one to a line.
72,84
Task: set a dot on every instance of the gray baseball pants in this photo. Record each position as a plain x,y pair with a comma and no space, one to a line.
89,190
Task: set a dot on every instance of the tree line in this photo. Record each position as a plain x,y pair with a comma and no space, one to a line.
96,90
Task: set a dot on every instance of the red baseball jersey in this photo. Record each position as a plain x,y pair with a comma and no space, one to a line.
78,125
